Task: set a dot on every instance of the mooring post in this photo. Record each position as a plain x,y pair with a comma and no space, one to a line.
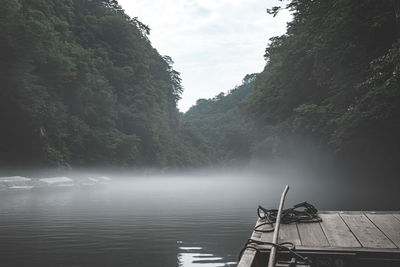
272,255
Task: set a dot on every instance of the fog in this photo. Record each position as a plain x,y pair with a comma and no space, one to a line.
118,217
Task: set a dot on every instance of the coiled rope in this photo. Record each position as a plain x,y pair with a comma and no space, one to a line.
300,213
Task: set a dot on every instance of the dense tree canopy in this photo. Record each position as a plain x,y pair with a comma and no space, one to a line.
81,84
332,78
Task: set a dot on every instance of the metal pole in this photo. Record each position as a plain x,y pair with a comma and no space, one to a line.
272,255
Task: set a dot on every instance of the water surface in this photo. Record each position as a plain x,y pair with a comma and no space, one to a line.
189,219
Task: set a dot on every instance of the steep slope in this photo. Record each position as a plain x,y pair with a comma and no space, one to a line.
334,78
82,85
332,81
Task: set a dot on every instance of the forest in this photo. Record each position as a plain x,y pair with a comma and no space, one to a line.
83,86
331,81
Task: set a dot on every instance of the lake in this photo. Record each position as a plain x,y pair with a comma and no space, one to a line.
188,219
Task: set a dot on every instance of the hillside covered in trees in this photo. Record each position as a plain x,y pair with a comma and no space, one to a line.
221,125
333,79
82,85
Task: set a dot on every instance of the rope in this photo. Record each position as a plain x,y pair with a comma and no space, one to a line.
300,213
284,246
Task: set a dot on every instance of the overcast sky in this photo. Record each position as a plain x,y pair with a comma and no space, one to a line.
214,43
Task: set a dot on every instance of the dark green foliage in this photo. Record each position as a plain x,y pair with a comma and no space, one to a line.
224,133
81,84
333,78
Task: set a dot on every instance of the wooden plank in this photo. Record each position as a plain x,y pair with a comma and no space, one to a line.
338,211
357,212
334,231
311,235
249,254
267,237
247,258
395,251
389,225
289,233
337,232
366,232
257,235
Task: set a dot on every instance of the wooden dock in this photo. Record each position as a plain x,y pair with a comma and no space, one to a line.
369,236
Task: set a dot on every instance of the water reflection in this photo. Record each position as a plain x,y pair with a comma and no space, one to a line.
194,257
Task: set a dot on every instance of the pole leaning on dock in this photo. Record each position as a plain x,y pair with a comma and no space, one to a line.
272,255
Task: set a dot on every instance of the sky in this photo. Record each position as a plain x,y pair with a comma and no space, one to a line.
214,43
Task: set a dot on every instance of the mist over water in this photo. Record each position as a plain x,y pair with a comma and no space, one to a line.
198,218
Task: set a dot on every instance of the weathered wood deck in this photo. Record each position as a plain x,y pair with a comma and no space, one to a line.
349,231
